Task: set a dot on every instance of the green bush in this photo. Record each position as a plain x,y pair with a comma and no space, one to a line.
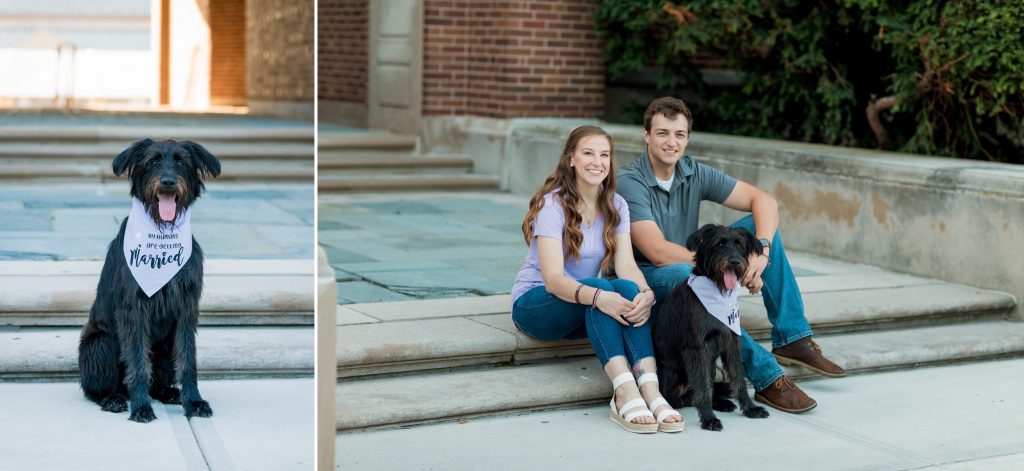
946,77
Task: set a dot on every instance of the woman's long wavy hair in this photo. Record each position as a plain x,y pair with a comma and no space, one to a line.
564,179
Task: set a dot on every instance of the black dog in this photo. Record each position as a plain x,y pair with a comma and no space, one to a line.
688,339
133,344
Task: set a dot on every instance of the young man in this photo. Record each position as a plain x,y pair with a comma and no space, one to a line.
664,189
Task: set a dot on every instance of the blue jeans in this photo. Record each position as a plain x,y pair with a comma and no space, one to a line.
782,300
544,316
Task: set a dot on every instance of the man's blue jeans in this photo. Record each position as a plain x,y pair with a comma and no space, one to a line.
544,316
782,300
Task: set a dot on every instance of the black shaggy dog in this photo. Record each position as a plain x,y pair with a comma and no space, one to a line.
133,345
688,339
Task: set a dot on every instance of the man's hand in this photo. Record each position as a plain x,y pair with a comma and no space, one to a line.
755,267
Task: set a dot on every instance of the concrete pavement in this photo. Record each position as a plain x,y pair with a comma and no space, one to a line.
966,417
77,221
259,424
405,246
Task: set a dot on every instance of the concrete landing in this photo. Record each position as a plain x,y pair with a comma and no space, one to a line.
262,424
956,418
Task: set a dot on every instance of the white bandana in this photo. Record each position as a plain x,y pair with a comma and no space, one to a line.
724,306
156,253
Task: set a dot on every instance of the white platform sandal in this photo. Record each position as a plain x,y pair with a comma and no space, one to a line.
626,420
670,427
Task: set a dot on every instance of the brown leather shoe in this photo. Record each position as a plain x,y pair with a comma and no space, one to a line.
785,396
806,353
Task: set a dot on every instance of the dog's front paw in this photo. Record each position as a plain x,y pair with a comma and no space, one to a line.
114,403
198,409
712,424
756,413
722,405
142,415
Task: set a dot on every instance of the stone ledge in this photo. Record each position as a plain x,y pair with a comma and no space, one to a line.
76,294
905,212
52,354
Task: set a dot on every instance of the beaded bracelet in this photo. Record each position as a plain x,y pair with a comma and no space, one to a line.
577,295
593,302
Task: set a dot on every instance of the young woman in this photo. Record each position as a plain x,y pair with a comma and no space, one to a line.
576,228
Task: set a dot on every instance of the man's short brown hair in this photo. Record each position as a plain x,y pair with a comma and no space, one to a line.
670,107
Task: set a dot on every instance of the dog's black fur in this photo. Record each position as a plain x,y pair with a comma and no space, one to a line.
133,345
688,340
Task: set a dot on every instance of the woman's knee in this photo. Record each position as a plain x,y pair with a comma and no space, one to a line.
599,283
626,288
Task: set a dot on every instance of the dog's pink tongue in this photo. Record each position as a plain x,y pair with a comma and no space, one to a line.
168,207
730,280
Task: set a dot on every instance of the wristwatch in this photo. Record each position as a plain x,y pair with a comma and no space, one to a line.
765,243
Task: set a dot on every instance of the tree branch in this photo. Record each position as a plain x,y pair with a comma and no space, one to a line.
874,109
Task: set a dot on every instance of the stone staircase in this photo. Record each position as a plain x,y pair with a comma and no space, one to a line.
256,318
416,362
83,153
350,162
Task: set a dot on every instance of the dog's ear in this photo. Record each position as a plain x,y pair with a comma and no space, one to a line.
126,160
752,243
204,160
695,240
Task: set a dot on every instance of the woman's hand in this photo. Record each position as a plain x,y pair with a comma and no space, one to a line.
642,312
615,306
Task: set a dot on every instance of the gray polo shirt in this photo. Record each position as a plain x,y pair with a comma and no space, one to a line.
675,211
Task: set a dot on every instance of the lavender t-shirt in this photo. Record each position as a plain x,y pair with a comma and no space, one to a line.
549,222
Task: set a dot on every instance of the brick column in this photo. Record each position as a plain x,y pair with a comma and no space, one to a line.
279,52
342,60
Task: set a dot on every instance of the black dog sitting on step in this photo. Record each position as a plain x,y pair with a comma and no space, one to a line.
688,339
140,337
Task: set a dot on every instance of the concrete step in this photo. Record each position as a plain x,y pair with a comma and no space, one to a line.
363,165
97,170
373,142
432,397
51,354
409,336
127,134
236,292
108,150
382,154
407,183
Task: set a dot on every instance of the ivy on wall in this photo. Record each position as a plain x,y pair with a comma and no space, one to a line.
922,76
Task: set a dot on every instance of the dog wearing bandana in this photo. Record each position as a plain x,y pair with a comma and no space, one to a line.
699,322
139,342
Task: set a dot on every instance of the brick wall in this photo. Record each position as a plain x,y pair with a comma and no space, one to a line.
279,50
343,49
506,59
227,52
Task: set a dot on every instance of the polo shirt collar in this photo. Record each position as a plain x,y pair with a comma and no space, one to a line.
682,170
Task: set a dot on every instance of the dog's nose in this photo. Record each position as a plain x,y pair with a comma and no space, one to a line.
167,182
735,262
